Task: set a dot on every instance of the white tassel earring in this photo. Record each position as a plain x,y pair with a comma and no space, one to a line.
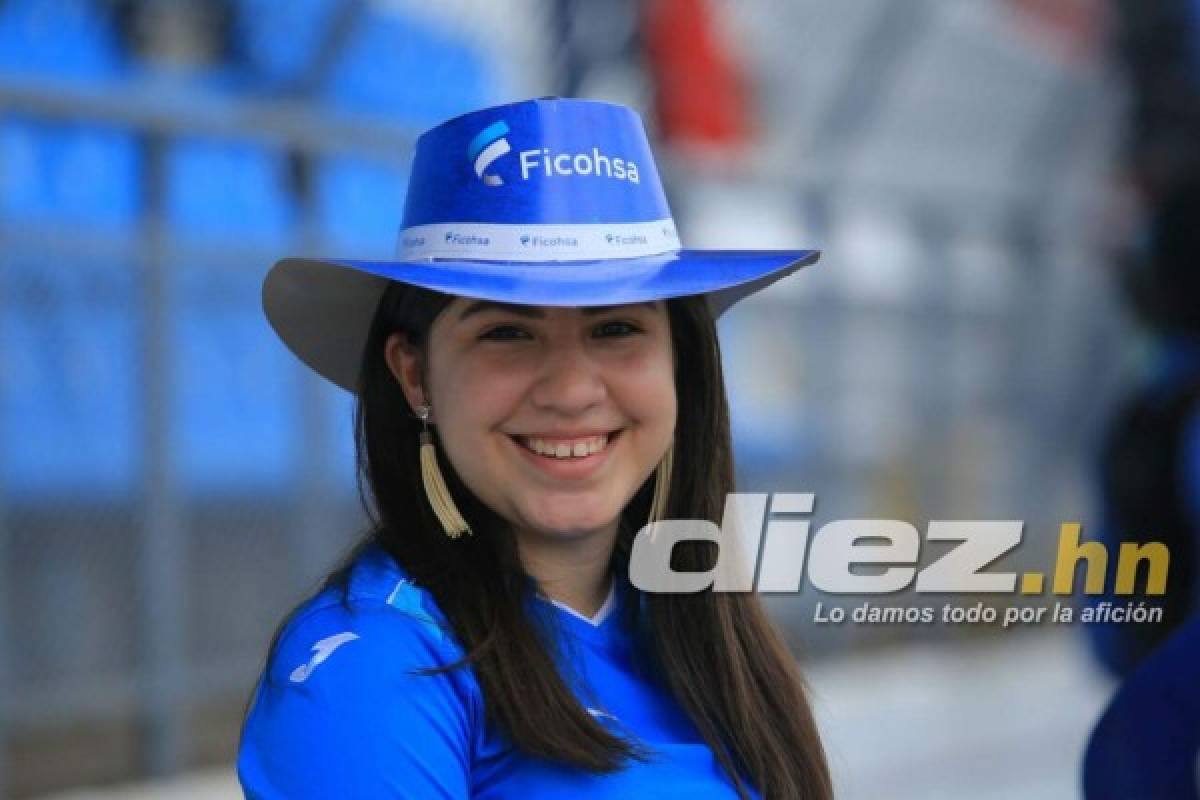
435,484
662,485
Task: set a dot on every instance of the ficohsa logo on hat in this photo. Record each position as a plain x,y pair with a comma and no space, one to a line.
489,144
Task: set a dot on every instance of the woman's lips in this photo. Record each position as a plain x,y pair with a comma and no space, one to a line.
581,455
564,447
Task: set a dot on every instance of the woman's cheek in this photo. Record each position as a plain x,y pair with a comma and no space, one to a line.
496,386
468,376
653,385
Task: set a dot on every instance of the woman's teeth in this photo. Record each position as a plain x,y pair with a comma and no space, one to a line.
565,448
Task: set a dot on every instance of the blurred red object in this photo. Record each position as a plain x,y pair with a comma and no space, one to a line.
700,90
1073,31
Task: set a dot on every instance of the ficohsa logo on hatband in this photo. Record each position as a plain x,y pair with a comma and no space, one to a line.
463,239
490,144
536,240
625,239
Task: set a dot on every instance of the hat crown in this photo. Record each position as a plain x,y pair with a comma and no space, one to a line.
545,179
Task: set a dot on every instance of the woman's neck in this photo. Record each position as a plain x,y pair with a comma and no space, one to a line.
572,570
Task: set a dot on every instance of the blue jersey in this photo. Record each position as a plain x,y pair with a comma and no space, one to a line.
338,712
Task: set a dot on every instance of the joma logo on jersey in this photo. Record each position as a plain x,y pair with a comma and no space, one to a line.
321,651
490,144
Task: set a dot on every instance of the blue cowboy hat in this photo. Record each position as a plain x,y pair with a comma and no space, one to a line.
551,202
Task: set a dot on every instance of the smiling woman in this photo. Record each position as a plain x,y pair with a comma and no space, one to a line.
518,422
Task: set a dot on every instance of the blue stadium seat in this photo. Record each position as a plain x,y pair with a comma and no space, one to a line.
58,37
69,336
69,408
60,172
96,175
358,206
278,47
236,393
234,192
24,188
391,63
402,67
235,422
69,174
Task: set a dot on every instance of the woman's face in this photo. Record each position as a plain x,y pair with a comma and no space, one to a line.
553,417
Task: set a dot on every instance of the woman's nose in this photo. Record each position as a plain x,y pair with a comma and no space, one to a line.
569,381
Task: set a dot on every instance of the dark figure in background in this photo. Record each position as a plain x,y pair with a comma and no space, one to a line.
1145,745
1150,462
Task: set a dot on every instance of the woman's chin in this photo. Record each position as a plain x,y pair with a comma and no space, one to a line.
570,521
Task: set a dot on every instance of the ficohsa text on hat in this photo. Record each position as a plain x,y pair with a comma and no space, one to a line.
594,163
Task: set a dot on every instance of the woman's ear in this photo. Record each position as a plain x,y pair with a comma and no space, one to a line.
406,364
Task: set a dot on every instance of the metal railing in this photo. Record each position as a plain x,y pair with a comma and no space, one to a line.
164,685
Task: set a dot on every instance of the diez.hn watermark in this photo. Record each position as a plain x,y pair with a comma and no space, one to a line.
773,551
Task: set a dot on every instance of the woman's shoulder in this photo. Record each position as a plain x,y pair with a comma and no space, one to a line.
379,617
345,706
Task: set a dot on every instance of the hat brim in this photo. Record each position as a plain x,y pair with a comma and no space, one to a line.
322,308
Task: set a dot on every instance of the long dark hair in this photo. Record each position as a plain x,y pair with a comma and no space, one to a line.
717,653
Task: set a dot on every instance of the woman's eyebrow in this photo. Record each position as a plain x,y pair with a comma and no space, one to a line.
533,311
593,310
512,308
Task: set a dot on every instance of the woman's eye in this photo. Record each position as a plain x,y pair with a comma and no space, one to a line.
504,333
616,329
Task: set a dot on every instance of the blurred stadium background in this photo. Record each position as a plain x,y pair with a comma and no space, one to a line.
172,481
